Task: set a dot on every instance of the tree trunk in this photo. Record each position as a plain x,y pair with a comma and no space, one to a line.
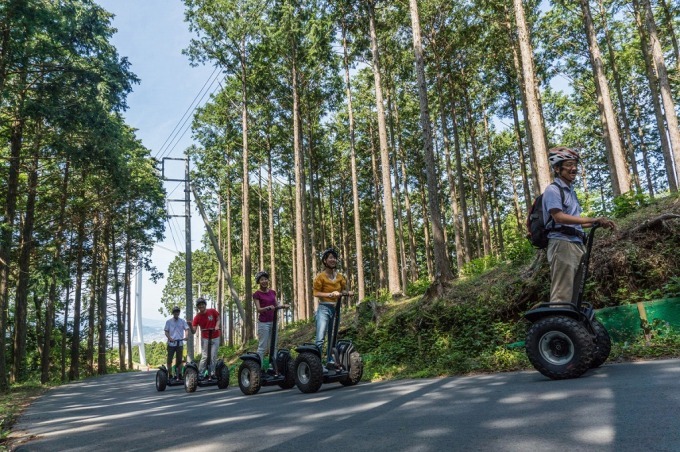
301,285
230,304
462,194
27,245
397,192
52,299
103,297
426,232
270,211
652,82
412,265
390,236
120,320
74,371
380,247
92,299
627,134
355,180
460,253
6,240
220,274
612,140
260,221
127,298
64,330
520,148
668,18
480,181
664,86
643,145
245,217
534,114
441,259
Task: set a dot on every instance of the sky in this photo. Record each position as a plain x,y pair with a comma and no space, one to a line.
152,35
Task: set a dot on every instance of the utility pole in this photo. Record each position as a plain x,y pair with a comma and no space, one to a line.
187,221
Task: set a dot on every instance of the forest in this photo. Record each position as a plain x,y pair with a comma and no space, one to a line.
412,136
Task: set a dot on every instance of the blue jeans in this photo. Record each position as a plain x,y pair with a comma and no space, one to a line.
325,314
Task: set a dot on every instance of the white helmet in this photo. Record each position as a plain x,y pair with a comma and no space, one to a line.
560,154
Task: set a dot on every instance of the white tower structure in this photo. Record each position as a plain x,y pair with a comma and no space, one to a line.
137,336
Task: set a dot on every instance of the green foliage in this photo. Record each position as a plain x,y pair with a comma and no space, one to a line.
661,340
382,297
629,202
417,287
478,266
672,288
517,248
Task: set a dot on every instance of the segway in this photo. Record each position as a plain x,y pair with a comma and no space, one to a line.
251,374
192,379
163,376
309,370
565,339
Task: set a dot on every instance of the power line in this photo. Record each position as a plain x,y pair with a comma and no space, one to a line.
179,138
180,127
188,110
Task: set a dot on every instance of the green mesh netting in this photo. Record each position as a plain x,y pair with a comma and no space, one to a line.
624,323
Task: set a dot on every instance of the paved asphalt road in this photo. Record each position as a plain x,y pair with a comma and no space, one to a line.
619,407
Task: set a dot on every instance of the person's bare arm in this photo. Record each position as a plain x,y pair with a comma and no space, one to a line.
563,218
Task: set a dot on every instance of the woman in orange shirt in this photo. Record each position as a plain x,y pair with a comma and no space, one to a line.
328,287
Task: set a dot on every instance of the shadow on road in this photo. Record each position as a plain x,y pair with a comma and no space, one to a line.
617,407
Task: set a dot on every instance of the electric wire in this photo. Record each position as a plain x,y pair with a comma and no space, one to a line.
189,108
169,150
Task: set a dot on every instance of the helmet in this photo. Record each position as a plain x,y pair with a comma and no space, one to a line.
200,300
260,274
562,153
175,309
327,253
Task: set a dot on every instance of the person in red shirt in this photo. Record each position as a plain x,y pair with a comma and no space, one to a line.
207,319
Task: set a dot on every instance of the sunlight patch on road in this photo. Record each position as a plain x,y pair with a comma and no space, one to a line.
432,432
519,398
555,395
507,423
596,435
231,419
316,399
72,430
345,411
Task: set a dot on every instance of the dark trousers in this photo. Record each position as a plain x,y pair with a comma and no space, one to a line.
178,349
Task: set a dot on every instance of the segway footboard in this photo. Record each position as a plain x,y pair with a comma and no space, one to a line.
552,309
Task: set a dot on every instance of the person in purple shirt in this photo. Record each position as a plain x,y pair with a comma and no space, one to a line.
265,303
562,214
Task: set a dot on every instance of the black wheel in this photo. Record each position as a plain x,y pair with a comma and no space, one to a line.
249,377
603,345
289,381
222,376
161,380
560,347
356,370
308,372
190,380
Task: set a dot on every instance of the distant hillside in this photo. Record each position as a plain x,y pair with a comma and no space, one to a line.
152,330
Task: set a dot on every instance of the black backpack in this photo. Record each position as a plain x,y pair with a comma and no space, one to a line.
537,229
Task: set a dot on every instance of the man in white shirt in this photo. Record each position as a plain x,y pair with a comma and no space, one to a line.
176,332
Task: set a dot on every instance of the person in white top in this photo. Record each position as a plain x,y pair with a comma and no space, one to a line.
176,331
